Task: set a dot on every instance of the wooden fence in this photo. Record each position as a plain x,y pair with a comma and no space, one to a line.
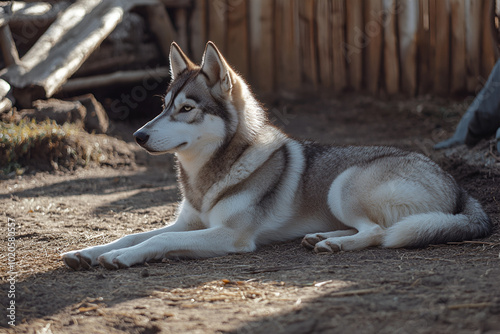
383,47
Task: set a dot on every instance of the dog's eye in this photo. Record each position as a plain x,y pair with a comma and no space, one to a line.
186,109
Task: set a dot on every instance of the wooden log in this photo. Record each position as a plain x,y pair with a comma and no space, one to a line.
339,64
161,26
308,65
237,36
408,30
441,32
37,13
9,50
198,23
325,59
458,50
60,51
391,58
120,77
261,44
355,43
473,25
105,59
217,20
374,34
287,46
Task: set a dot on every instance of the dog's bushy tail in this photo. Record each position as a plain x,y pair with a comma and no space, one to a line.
420,230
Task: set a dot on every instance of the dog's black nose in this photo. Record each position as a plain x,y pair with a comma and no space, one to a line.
141,138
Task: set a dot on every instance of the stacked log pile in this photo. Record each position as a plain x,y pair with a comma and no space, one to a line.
67,47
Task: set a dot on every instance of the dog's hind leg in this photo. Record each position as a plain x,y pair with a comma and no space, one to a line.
369,234
310,240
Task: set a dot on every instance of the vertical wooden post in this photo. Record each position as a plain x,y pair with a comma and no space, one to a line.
287,45
198,33
473,43
442,48
458,34
374,31
391,58
355,43
339,64
308,64
237,36
487,45
217,19
261,44
425,75
325,62
182,33
408,28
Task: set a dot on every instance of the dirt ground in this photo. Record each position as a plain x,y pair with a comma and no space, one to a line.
282,288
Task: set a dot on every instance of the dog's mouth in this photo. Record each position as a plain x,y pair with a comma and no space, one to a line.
178,147
181,145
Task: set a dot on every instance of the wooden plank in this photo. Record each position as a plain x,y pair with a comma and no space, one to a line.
487,40
408,28
339,64
308,64
442,49
473,43
391,57
217,20
325,61
198,33
237,36
261,21
287,45
355,43
374,34
458,64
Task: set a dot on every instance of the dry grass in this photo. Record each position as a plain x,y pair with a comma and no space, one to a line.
49,146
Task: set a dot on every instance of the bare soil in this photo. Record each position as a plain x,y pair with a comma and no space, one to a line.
282,288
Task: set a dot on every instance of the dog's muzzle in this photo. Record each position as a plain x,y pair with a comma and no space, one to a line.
141,138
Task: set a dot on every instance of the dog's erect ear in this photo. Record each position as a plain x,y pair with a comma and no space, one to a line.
179,62
216,68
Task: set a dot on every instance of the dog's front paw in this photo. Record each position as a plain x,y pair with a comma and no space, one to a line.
116,259
78,260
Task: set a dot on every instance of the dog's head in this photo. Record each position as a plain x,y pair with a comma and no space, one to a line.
204,106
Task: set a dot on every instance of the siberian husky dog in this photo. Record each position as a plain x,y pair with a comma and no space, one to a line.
245,183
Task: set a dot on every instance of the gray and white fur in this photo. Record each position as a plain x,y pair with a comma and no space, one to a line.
245,183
